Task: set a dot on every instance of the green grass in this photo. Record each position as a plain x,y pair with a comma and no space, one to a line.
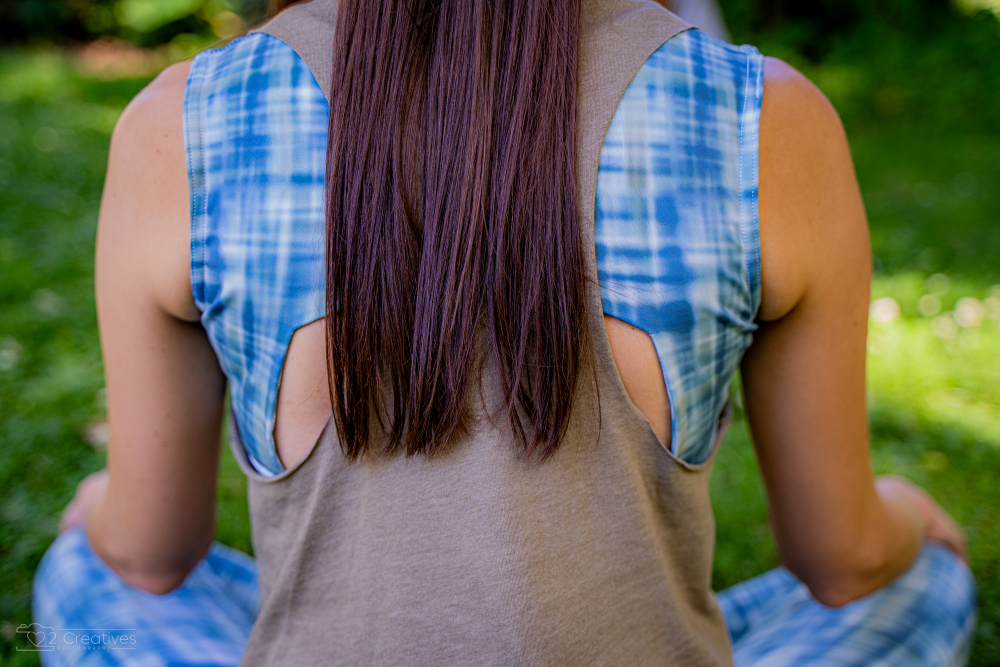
932,192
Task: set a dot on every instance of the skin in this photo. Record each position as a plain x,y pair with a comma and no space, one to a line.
150,515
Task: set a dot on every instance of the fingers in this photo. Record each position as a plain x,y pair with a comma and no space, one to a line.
944,529
939,526
73,515
76,512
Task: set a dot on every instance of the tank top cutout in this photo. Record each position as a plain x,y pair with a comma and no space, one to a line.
675,227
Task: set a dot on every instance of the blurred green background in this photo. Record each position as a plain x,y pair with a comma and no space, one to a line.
917,83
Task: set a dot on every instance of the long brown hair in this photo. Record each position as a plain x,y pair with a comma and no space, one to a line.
451,208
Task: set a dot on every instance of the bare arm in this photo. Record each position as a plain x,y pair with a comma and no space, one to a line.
840,531
152,518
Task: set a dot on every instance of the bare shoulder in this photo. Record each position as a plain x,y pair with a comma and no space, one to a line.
144,231
810,208
158,101
781,80
154,117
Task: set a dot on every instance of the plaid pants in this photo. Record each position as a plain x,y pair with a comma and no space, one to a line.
86,615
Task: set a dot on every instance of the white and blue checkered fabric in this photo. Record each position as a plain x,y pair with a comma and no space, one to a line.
206,621
255,126
927,616
676,219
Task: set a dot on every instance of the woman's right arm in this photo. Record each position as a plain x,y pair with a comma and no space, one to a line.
841,531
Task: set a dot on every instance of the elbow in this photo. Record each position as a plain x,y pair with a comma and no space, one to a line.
841,578
836,589
155,575
146,555
836,593
157,583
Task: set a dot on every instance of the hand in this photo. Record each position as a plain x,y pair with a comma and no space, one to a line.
90,487
937,523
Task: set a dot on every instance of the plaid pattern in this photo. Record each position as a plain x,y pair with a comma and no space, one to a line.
206,621
924,618
676,221
927,616
255,126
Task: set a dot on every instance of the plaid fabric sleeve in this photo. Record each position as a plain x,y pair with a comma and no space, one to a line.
255,125
676,221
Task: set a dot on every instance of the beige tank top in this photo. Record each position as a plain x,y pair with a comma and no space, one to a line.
601,555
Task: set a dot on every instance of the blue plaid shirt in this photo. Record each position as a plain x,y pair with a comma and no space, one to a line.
676,219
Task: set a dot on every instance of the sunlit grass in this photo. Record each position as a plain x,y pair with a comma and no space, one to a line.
942,365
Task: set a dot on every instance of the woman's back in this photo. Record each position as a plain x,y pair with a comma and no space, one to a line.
600,552
675,230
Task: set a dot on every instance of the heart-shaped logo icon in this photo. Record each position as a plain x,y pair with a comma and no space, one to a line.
41,636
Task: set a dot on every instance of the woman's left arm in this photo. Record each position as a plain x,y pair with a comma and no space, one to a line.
152,518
